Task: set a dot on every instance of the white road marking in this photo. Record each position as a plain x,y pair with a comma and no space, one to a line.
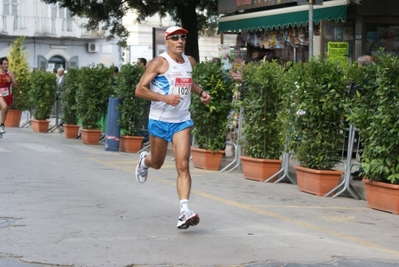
4,150
40,148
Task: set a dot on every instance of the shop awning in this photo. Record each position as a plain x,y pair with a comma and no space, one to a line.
283,17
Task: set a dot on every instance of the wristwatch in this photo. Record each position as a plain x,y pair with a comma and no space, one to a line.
201,93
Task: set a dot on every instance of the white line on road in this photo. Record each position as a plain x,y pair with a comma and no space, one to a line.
40,148
4,150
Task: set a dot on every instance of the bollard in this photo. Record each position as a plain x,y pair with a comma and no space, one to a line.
113,130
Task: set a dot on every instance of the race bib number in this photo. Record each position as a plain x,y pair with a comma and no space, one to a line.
4,92
183,86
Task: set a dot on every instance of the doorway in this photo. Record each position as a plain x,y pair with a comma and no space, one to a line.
56,62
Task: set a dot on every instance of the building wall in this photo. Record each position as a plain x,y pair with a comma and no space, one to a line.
49,32
48,36
140,39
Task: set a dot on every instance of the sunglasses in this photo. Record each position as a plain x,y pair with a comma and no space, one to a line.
176,37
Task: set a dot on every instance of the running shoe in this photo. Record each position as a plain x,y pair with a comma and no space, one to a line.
2,129
187,218
141,172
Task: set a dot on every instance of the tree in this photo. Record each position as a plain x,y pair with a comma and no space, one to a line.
18,63
199,17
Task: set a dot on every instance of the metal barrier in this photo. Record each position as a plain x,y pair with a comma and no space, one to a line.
345,184
285,165
56,112
285,155
237,146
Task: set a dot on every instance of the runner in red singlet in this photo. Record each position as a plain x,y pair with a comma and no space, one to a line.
7,82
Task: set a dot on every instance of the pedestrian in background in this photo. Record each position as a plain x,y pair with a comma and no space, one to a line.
142,62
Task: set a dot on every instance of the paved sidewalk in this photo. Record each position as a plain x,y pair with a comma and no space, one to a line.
63,203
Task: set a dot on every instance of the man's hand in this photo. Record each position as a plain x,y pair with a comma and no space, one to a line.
172,100
10,76
206,98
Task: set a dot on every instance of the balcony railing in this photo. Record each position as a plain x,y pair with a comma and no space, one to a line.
41,26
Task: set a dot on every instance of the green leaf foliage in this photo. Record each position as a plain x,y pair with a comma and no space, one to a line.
210,121
134,110
18,63
68,96
315,100
375,112
262,101
93,94
42,94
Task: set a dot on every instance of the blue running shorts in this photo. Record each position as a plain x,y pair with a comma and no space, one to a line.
166,130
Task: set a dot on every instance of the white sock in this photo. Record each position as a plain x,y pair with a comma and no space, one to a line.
183,205
142,164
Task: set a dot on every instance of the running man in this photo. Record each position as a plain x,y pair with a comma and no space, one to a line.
7,82
168,84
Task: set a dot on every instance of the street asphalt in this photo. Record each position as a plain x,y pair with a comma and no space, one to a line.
63,203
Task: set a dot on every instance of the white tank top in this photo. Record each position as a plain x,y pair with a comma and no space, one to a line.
176,80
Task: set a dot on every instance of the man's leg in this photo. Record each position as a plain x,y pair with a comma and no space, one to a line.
4,111
158,148
181,150
154,160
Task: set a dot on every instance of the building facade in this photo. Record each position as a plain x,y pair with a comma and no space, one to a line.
52,37
342,29
140,42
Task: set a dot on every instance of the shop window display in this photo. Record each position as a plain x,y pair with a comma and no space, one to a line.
382,36
289,44
342,32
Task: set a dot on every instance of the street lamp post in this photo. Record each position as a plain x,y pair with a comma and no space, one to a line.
310,29
311,3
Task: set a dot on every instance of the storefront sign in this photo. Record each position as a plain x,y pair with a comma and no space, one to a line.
338,51
306,2
229,6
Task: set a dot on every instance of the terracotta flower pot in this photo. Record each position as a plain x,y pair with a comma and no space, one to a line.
13,118
90,137
259,169
205,159
40,126
382,196
317,182
71,131
130,144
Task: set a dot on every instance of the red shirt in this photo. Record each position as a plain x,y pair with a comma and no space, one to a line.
5,86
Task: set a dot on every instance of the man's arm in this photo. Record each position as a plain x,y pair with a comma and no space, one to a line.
13,80
205,97
158,65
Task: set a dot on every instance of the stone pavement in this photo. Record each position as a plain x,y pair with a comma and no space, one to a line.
63,203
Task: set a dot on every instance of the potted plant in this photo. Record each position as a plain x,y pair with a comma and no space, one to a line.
210,121
18,64
375,112
133,110
316,95
68,103
92,99
42,97
261,143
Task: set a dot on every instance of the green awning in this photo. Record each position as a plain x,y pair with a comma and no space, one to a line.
283,17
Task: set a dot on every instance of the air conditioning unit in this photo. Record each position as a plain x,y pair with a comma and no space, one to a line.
92,47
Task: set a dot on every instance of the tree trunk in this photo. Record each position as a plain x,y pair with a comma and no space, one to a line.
188,16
